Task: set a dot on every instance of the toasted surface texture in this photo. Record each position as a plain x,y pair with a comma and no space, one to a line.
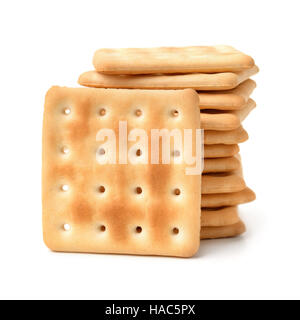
113,208
224,231
220,150
218,217
171,60
222,120
227,199
222,182
197,81
215,165
234,99
219,121
235,136
243,113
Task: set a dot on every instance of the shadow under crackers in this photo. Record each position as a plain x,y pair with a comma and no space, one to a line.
219,247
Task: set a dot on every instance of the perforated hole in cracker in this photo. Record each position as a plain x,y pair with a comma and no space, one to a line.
177,191
102,112
175,113
65,187
102,228
175,231
65,150
66,227
101,189
138,152
138,190
102,152
138,229
67,111
176,153
138,112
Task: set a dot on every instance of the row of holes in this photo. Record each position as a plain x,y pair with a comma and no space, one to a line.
101,189
175,153
138,112
66,150
102,228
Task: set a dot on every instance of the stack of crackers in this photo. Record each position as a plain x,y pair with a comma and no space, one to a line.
147,209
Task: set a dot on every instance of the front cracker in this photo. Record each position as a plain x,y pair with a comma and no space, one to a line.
112,208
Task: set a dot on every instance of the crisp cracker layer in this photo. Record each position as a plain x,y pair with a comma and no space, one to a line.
114,208
207,59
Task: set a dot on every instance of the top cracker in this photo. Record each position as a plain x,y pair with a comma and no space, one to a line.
171,60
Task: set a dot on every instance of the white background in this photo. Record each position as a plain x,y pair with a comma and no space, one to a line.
46,43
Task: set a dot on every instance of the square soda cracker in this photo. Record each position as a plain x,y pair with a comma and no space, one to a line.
228,231
233,99
215,165
221,120
227,199
197,81
114,208
235,136
218,217
206,59
220,150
